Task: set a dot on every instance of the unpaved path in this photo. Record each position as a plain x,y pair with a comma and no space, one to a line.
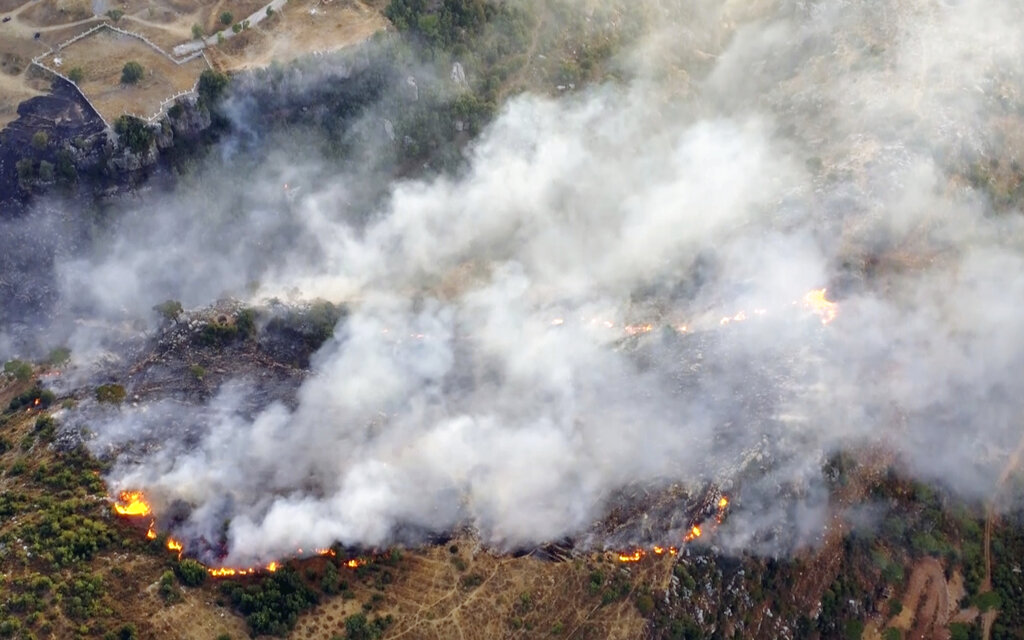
925,613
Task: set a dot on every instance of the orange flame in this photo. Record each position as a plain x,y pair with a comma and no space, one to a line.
272,567
151,532
659,550
326,552
632,557
222,572
132,503
692,534
353,563
815,301
636,329
174,545
36,403
723,502
739,317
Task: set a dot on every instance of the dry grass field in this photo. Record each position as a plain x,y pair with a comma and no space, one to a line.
39,27
102,55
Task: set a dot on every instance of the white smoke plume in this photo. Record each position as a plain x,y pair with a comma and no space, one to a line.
486,374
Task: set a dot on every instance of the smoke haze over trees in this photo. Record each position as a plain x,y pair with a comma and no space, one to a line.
514,353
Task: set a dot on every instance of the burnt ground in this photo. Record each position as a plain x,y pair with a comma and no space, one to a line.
63,115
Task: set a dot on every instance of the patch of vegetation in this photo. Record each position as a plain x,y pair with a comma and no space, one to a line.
359,627
115,14
132,72
40,139
212,85
58,356
133,133
169,310
226,18
36,397
273,605
110,393
18,369
190,572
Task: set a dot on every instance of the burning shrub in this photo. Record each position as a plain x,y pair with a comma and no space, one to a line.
111,393
36,397
190,572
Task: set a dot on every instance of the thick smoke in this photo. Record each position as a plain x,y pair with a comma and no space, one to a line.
487,374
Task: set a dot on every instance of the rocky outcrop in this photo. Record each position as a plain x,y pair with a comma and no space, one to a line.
58,140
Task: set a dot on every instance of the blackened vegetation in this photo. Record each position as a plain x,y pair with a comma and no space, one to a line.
293,334
830,592
196,352
65,119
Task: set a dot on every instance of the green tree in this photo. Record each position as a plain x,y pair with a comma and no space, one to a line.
76,75
197,32
226,18
133,133
131,73
212,85
115,14
169,310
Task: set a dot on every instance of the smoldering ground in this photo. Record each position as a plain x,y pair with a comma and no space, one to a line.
497,368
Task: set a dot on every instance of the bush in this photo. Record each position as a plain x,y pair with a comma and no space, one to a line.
272,606
115,14
40,139
76,75
237,27
226,18
26,168
212,85
645,604
110,393
197,32
59,356
133,133
190,572
131,72
45,171
66,166
19,369
28,399
987,600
